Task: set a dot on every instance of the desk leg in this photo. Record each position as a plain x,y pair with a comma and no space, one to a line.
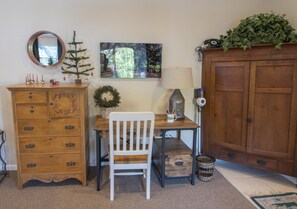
163,160
98,159
194,157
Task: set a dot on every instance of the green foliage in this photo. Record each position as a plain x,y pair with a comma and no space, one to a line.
264,28
101,100
76,60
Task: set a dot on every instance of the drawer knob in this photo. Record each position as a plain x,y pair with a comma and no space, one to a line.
30,146
69,127
71,163
31,165
179,163
70,144
31,111
28,128
261,162
249,120
231,155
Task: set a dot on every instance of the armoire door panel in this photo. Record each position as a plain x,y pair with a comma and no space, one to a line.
271,122
274,75
272,110
228,104
228,118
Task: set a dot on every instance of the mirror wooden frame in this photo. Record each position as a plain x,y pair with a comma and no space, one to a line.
32,56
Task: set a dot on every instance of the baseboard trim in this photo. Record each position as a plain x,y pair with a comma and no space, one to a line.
11,167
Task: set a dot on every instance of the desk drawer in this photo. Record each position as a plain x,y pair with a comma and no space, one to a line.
47,163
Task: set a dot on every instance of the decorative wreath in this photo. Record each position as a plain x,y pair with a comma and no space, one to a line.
103,102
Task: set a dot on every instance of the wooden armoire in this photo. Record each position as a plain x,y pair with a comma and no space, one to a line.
251,112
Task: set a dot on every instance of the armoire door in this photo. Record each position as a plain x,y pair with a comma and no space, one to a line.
272,108
229,104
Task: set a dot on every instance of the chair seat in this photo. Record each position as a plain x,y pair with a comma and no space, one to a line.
126,159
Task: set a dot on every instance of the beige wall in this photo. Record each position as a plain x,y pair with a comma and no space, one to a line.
180,25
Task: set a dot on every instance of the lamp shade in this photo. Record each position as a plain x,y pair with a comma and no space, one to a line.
177,78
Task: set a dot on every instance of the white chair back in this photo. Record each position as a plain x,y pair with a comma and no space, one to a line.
130,135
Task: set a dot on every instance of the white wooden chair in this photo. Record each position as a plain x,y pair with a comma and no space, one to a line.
131,134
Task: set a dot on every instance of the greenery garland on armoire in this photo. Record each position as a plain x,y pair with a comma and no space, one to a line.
263,28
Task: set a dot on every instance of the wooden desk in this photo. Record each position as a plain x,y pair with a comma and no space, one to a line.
102,126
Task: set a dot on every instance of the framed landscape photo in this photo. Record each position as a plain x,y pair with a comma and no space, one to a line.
130,60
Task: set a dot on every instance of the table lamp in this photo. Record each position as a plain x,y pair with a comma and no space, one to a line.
177,78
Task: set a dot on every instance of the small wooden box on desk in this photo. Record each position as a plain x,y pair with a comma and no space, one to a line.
178,157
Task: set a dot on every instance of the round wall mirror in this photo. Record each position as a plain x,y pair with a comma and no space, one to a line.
46,49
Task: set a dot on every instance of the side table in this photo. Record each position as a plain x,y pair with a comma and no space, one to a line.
3,172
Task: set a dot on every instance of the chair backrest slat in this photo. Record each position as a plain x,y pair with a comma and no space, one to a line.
131,135
134,133
144,135
124,135
138,135
118,135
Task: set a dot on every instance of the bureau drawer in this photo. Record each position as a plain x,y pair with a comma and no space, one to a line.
49,144
266,163
33,127
47,163
65,126
30,97
38,127
31,110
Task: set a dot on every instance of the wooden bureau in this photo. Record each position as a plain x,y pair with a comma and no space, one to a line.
51,132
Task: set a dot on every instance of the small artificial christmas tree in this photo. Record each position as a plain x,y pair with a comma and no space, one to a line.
76,61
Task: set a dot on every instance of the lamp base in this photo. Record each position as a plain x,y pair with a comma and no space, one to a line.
177,104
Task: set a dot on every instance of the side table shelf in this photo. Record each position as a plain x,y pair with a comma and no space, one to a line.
3,172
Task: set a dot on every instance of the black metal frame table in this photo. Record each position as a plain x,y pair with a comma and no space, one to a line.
102,126
3,173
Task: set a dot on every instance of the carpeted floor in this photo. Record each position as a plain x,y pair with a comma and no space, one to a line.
130,194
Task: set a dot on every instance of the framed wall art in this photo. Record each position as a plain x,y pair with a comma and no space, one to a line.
130,60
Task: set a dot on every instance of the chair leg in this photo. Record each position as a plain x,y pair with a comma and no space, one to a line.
111,176
148,183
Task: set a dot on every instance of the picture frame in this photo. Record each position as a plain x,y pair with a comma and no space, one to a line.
130,60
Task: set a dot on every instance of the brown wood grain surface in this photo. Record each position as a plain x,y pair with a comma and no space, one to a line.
160,123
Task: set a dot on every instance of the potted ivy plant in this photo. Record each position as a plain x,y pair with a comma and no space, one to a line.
107,98
263,28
